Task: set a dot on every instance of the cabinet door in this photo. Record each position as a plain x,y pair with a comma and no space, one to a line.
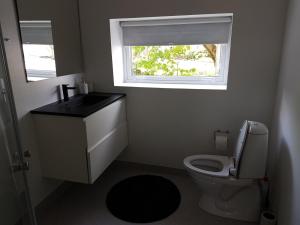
62,142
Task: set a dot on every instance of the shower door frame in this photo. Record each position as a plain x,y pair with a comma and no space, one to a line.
17,161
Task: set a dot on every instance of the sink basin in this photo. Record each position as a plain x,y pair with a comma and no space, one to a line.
80,105
92,99
83,101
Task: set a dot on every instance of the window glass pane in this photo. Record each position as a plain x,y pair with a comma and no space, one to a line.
176,60
39,60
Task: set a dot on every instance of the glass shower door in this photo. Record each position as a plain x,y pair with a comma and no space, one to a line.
15,207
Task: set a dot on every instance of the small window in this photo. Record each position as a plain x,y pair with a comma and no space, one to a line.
172,52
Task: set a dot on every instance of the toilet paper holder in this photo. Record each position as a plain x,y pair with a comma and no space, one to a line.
221,140
226,132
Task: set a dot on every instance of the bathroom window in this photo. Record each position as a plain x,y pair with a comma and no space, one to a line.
172,52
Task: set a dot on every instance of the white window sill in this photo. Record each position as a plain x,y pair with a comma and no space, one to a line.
173,86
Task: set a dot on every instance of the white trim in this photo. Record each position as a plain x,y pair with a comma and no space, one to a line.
173,86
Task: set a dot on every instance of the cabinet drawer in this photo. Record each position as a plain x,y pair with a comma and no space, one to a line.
99,124
102,154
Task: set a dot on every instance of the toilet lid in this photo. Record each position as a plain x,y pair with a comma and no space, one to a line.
240,144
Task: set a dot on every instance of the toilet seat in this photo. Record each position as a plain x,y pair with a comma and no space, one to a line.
211,165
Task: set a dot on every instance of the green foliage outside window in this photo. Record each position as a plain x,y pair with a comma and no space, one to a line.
169,60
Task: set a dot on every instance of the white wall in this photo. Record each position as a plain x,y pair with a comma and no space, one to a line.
166,125
28,96
286,130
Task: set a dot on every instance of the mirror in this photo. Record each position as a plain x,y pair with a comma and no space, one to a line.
50,36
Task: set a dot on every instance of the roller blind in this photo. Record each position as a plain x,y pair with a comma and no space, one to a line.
36,32
210,30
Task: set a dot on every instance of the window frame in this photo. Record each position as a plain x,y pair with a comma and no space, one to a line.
128,79
219,79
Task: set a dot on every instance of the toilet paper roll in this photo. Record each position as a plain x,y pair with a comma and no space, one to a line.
267,218
221,141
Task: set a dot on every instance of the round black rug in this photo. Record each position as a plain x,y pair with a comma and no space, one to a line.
143,199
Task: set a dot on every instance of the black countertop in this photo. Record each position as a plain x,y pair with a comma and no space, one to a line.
81,105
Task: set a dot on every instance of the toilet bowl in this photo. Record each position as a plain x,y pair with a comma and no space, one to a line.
229,185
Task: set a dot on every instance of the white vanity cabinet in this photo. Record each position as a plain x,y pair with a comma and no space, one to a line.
80,149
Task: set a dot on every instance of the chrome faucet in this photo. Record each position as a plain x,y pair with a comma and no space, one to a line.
65,89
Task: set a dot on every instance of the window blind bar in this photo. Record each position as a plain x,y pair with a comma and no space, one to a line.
168,22
36,23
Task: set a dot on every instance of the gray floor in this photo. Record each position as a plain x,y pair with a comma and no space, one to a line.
85,204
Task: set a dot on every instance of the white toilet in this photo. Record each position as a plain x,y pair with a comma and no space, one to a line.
230,185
